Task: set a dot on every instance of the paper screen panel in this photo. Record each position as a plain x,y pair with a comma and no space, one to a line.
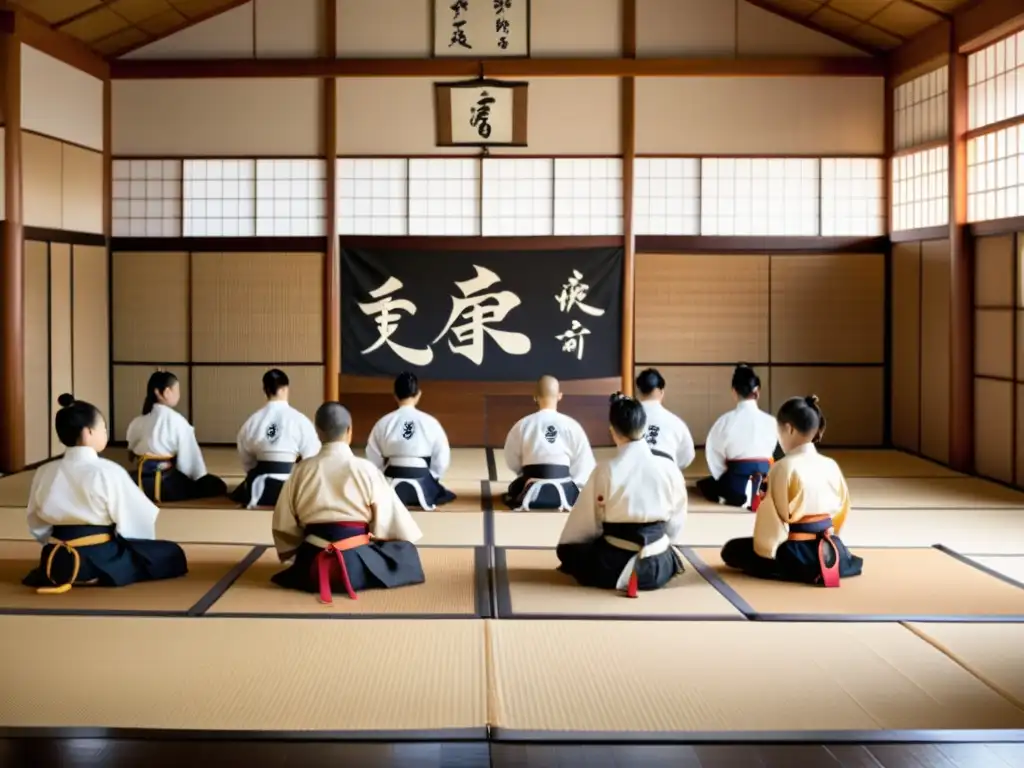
37,352
701,309
993,343
828,308
700,394
42,191
130,391
993,429
150,307
91,325
906,345
61,378
82,190
852,399
935,364
257,307
993,271
225,396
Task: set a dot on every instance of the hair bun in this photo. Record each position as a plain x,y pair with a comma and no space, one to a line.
66,400
811,400
616,396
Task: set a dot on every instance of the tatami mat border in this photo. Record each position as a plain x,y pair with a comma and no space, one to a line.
979,566
492,464
480,734
512,736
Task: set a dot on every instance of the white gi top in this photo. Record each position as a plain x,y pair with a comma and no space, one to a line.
745,432
165,432
550,437
669,434
336,486
802,484
276,432
633,487
83,489
406,436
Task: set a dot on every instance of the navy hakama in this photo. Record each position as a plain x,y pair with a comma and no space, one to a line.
542,486
161,481
263,483
739,485
417,486
603,563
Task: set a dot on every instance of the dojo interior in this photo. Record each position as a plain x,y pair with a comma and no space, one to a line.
831,191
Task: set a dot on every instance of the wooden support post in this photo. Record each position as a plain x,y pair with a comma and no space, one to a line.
628,127
332,265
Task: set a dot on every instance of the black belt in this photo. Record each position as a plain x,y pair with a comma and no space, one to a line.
545,472
272,468
408,473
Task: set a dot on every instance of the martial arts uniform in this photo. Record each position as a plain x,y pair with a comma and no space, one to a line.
269,444
797,525
623,529
170,465
552,459
668,435
739,450
96,527
411,448
347,530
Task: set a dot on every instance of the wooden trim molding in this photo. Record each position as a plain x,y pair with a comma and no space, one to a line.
983,22
801,66
627,116
1002,125
220,244
459,243
997,227
695,244
59,45
332,263
918,235
46,235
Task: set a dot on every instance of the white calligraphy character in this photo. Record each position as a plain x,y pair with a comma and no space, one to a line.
387,310
479,311
573,339
573,293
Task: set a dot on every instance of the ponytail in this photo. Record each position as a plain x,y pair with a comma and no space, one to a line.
159,381
812,402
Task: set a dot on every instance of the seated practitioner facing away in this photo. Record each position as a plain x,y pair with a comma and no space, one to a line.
623,528
740,447
169,465
797,525
411,448
550,454
667,434
96,527
340,519
270,442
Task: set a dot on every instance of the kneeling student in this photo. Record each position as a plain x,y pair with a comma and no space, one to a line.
796,531
97,528
623,529
340,519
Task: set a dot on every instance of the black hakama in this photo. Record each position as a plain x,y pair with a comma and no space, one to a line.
548,496
740,476
430,491
600,563
113,562
160,480
271,485
807,561
350,568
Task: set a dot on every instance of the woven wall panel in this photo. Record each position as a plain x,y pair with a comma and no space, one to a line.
257,307
61,375
143,281
906,345
701,309
42,191
224,397
130,392
853,400
91,324
994,429
828,308
935,360
37,352
82,190
993,271
993,342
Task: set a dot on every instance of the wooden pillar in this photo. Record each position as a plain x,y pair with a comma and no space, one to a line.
890,143
332,265
628,127
12,265
961,332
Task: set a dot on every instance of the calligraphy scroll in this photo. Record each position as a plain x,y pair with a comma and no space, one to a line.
481,28
485,316
478,113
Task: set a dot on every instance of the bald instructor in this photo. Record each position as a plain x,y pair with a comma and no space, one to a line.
550,454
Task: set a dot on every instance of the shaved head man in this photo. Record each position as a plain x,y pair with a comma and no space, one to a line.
549,452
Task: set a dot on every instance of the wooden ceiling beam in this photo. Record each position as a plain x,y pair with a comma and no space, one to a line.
809,23
983,22
925,51
57,44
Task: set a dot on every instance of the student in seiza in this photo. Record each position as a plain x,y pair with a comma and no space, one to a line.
623,529
550,454
667,434
796,531
270,442
411,448
740,447
96,527
169,465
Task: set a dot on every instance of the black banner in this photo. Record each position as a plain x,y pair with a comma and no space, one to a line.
485,315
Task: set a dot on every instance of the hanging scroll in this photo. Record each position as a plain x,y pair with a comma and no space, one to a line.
481,28
479,113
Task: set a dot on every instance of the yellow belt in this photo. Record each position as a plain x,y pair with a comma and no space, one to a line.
157,476
72,547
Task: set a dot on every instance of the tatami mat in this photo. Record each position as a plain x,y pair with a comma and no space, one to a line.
1010,567
529,585
896,584
455,579
992,652
247,675
207,565
640,679
14,489
931,493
